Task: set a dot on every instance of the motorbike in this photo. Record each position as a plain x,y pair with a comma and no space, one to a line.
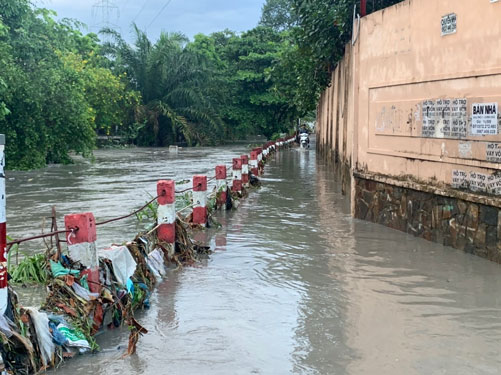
304,140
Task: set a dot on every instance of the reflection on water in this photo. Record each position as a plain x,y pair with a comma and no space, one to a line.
295,284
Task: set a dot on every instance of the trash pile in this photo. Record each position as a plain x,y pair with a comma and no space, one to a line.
80,303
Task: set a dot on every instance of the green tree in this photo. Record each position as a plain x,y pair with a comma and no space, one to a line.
260,106
278,15
44,94
173,81
114,106
5,61
55,89
317,32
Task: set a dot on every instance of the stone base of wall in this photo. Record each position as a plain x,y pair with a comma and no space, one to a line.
472,227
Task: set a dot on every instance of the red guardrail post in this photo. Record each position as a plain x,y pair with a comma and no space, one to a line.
221,185
81,240
166,212
253,163
200,200
260,160
237,175
245,170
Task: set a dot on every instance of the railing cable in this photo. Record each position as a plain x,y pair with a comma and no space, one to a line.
40,236
129,215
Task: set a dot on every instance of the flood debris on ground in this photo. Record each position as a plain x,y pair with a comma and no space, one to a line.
79,303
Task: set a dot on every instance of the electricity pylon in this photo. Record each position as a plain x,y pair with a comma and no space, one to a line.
106,15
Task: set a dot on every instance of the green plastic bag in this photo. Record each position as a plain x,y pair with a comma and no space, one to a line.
58,270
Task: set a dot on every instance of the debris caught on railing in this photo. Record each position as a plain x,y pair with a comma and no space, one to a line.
77,306
82,299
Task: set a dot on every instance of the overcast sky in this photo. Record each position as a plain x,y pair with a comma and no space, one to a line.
188,16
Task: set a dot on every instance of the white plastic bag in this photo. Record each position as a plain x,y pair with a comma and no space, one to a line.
4,326
84,293
124,264
44,337
155,261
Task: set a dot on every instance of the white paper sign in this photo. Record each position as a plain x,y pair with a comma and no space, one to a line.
429,110
478,181
459,114
493,152
494,185
484,119
444,118
459,179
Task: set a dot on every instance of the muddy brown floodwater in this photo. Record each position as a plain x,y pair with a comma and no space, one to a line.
295,286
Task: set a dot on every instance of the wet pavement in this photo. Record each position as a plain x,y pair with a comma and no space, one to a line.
295,286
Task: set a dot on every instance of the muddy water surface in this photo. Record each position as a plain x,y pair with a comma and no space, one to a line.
295,285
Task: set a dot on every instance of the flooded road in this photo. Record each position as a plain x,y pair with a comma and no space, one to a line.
295,286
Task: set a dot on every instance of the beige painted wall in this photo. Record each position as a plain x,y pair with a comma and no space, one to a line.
335,113
401,101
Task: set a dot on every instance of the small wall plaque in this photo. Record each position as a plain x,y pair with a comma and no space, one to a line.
449,24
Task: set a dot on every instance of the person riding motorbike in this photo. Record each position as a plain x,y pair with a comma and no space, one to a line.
302,137
303,133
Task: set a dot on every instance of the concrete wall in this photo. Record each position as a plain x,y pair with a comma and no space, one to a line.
335,118
414,105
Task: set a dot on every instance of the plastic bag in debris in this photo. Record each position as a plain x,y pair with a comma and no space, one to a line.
105,275
124,264
44,337
146,301
56,318
156,263
4,326
74,337
130,286
58,270
83,282
57,336
84,293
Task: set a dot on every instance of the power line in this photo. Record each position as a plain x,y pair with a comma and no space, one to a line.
159,13
140,11
124,6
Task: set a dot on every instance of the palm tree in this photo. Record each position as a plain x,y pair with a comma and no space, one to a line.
173,82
